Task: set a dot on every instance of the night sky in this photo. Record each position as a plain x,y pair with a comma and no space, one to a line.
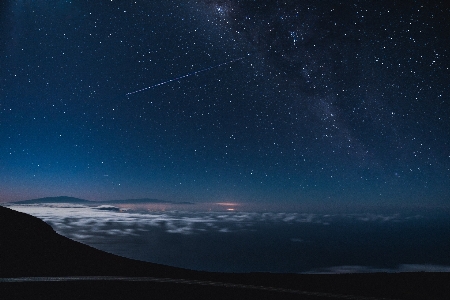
281,103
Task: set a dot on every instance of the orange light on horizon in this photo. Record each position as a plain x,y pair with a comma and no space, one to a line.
227,204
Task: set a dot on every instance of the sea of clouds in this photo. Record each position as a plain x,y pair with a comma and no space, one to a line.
101,218
255,241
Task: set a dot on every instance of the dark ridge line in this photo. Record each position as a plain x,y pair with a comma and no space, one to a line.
68,199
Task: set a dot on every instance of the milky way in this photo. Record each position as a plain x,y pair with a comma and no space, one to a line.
333,105
313,46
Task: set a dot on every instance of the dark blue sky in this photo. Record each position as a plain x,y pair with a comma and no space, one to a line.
332,105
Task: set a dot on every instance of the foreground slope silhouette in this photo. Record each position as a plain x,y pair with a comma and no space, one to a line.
31,248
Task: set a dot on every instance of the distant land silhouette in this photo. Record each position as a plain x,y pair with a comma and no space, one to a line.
60,199
29,247
73,200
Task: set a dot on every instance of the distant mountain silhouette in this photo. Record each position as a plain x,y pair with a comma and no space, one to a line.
60,199
66,199
30,247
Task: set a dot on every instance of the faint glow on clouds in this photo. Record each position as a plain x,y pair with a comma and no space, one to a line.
84,221
142,234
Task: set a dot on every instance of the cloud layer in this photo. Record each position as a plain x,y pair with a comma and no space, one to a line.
366,269
101,218
253,241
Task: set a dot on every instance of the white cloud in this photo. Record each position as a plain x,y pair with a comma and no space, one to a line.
424,268
368,269
119,231
70,219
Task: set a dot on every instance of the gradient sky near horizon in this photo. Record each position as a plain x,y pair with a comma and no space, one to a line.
296,102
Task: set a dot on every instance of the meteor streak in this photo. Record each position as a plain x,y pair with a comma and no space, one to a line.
184,76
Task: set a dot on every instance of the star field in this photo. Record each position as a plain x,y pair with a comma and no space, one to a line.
330,104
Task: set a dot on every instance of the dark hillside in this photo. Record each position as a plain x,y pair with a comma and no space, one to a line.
30,248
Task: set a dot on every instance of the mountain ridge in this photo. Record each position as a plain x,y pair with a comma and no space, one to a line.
74,200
